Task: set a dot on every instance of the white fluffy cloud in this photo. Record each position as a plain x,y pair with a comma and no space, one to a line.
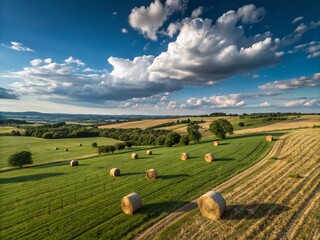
293,83
124,30
76,61
265,104
204,52
197,12
35,62
302,103
17,46
220,101
148,20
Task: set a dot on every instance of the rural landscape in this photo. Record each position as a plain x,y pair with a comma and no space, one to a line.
159,120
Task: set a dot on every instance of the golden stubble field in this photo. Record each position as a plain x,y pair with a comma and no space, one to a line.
275,199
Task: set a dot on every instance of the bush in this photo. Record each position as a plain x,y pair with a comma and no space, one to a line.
184,141
161,140
94,144
172,139
128,144
241,124
120,146
19,159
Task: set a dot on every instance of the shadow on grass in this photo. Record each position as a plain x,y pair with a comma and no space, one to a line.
223,159
223,143
173,176
276,135
253,211
131,173
34,177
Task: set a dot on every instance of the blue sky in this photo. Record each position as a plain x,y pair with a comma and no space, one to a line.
159,57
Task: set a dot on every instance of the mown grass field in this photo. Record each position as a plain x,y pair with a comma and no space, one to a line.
43,150
279,200
63,202
8,129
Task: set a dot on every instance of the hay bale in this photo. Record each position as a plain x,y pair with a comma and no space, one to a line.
209,157
212,205
74,163
134,156
66,149
114,172
56,148
269,138
80,144
215,143
131,203
184,156
149,152
152,174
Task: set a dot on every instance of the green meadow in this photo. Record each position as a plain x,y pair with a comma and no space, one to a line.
61,202
43,150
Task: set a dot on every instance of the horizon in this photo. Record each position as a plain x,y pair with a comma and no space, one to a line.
159,58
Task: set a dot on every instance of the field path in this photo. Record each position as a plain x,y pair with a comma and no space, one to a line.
263,202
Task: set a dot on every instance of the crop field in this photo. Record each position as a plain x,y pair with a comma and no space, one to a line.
43,150
182,128
278,199
62,202
8,129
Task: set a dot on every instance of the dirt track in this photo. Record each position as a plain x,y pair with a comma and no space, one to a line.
263,202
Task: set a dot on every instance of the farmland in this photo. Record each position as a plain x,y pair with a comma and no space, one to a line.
278,199
59,201
43,150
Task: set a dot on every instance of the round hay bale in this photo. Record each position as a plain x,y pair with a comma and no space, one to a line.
149,152
134,156
74,163
212,205
152,174
269,138
131,203
80,144
66,149
184,156
209,157
114,172
56,148
215,143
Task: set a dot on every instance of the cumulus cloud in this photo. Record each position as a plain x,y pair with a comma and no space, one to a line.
47,60
314,51
197,12
297,19
124,30
35,62
128,79
172,105
293,83
76,61
302,103
204,53
8,94
219,101
148,20
17,46
265,104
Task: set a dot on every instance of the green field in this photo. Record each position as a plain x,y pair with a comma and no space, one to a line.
43,150
62,202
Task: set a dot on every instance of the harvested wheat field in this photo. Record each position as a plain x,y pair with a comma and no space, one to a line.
301,122
274,199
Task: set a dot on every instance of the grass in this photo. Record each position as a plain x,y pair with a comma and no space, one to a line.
43,150
63,202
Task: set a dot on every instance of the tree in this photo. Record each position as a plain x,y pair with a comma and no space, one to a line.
101,149
172,139
184,140
241,124
161,140
94,144
221,127
20,158
128,144
112,149
193,132
120,146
